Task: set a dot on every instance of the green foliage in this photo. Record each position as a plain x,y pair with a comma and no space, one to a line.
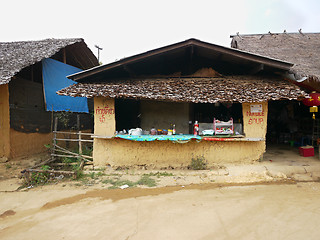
8,166
79,174
118,183
47,146
68,160
64,118
92,175
37,178
45,167
198,163
146,180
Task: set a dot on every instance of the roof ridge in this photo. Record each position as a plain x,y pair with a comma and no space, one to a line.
271,33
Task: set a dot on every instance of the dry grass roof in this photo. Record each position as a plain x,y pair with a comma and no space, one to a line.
14,56
197,90
302,49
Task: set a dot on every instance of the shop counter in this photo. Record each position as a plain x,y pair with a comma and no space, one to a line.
181,138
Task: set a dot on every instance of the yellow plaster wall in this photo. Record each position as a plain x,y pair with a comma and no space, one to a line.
26,144
161,115
119,152
104,116
4,121
255,124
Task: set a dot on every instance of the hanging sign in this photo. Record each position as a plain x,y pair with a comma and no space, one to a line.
256,108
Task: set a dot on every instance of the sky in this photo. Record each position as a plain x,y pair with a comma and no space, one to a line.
127,27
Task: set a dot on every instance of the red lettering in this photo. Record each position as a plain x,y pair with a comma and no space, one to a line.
102,119
255,120
105,111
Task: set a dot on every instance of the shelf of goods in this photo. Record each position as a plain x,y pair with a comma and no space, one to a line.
221,127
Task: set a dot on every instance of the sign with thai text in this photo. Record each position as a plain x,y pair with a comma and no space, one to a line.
103,112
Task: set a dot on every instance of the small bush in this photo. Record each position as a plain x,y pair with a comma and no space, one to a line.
198,163
146,180
36,178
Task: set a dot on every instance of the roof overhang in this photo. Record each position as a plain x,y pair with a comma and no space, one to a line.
197,90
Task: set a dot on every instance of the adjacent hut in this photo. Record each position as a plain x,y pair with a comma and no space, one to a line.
170,88
289,120
300,48
25,125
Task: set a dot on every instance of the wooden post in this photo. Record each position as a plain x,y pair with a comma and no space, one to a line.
51,118
78,122
54,137
80,143
81,159
64,55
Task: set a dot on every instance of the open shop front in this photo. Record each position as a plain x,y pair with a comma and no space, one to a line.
292,127
117,145
141,117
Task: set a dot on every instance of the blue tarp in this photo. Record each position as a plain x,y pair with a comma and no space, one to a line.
54,79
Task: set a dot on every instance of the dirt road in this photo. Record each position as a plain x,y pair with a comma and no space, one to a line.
286,211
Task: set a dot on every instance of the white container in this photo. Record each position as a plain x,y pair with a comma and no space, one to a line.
135,131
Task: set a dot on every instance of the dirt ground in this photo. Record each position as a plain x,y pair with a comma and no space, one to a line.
208,211
184,204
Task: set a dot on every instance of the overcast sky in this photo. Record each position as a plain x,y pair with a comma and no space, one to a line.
128,27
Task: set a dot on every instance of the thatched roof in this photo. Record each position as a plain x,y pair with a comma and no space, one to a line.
14,56
197,90
302,49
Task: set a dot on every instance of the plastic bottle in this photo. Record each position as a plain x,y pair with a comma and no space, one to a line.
196,128
174,129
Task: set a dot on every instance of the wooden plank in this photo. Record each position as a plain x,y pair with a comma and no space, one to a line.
103,137
61,149
61,155
74,133
51,171
72,140
64,164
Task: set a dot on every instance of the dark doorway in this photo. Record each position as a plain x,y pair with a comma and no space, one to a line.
127,114
289,122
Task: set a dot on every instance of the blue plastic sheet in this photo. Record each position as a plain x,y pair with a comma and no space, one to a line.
54,79
149,138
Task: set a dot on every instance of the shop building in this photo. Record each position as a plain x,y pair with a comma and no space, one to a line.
172,87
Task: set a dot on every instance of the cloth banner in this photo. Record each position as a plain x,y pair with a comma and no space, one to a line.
149,138
54,79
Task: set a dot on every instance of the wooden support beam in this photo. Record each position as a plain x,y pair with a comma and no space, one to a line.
190,56
129,70
257,69
64,56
